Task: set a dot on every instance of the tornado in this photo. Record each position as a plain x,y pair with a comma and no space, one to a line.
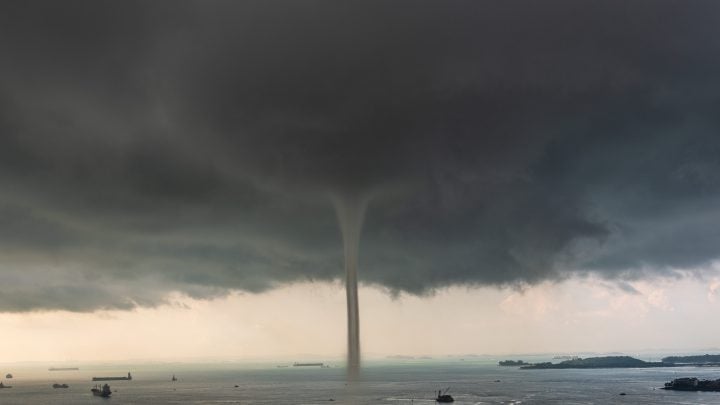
351,214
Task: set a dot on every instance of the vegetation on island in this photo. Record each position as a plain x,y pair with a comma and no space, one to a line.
619,362
599,362
693,384
706,359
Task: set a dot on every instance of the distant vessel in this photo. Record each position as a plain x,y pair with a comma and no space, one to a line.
63,369
8,375
128,378
512,363
5,386
173,378
307,364
444,397
61,386
104,392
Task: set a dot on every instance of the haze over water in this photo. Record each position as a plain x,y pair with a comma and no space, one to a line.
471,381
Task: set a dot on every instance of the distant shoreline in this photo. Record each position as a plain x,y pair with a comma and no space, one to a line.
619,362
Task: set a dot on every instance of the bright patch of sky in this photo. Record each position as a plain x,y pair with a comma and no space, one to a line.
308,321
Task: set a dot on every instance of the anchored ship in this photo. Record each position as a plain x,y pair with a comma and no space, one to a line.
104,392
128,378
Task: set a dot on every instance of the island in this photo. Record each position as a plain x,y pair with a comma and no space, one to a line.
507,363
599,362
692,384
704,360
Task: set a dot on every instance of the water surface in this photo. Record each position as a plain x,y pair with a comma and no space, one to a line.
470,382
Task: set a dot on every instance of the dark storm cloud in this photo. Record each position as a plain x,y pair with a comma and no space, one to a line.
147,148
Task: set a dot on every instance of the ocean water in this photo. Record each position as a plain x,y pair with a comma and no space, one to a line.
412,382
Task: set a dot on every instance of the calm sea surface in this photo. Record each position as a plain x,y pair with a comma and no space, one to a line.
470,382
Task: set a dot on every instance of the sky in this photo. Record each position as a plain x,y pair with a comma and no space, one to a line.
306,322
179,161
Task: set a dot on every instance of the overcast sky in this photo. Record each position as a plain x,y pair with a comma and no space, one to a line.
150,149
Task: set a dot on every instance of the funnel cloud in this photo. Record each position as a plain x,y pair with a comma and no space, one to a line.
151,148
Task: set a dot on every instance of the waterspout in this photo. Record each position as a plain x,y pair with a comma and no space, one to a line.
351,214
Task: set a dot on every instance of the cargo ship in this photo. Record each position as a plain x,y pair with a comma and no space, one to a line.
63,369
307,364
128,378
104,392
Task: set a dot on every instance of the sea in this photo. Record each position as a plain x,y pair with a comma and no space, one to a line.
469,381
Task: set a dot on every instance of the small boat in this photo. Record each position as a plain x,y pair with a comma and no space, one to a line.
173,378
444,397
5,386
104,392
61,386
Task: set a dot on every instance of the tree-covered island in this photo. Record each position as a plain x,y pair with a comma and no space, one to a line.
618,362
704,360
599,362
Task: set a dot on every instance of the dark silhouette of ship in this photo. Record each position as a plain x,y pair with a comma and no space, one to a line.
61,386
63,369
307,364
173,378
5,386
128,378
104,392
512,363
444,397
